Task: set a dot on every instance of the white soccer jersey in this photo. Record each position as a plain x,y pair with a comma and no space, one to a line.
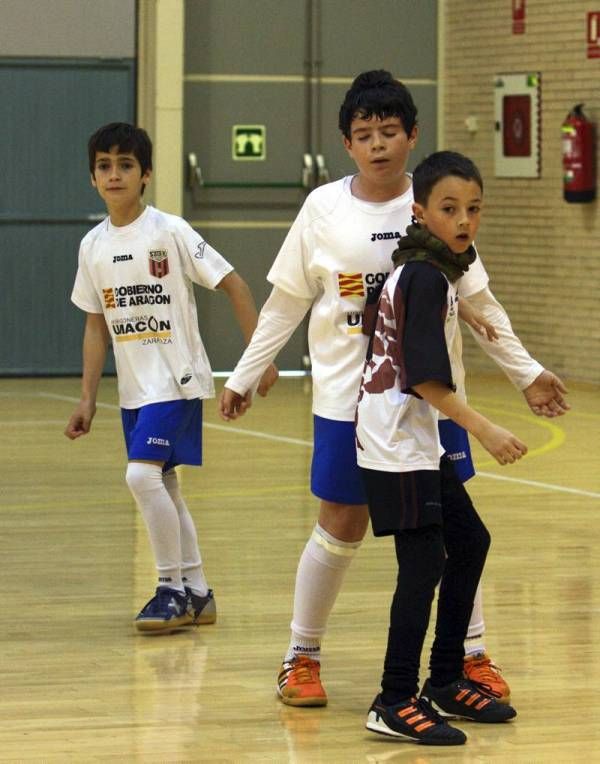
338,249
140,277
417,320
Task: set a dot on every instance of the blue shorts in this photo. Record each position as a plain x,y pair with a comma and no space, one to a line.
169,432
455,443
335,475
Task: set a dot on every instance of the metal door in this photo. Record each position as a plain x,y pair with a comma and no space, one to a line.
49,109
279,69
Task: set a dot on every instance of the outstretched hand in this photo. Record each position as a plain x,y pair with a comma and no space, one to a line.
544,395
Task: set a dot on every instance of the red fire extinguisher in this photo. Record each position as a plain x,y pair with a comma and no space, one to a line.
578,156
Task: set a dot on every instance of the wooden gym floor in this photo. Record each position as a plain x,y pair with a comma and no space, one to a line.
79,685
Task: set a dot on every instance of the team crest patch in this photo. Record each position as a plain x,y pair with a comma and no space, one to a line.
351,285
159,262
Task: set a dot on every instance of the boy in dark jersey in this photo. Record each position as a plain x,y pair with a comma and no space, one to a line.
413,491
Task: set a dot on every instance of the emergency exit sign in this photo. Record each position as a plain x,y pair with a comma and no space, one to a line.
249,143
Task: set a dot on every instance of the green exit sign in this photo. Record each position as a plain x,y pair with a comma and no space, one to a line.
249,143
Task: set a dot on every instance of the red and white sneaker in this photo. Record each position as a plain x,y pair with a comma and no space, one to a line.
299,682
480,668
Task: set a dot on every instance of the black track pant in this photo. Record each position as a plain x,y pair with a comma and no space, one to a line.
455,552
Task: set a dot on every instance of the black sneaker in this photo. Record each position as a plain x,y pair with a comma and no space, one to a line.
201,609
464,699
413,719
165,612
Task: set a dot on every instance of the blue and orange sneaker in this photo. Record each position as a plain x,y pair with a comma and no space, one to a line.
463,699
412,719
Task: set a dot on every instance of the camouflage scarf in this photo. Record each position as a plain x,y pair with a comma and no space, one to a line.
420,245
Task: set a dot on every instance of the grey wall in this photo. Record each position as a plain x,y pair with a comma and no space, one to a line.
86,28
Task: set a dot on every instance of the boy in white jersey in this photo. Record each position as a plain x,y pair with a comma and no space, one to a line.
337,251
134,281
413,491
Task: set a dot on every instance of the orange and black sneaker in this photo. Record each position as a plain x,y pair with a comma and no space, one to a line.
480,669
412,719
299,682
463,699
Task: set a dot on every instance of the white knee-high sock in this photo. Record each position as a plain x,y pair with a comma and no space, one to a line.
145,482
321,570
191,560
474,643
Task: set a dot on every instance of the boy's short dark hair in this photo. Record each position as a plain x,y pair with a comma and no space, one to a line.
377,93
129,140
439,165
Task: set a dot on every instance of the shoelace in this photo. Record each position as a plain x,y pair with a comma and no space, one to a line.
303,673
488,672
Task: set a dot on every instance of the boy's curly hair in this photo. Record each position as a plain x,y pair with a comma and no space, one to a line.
377,93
